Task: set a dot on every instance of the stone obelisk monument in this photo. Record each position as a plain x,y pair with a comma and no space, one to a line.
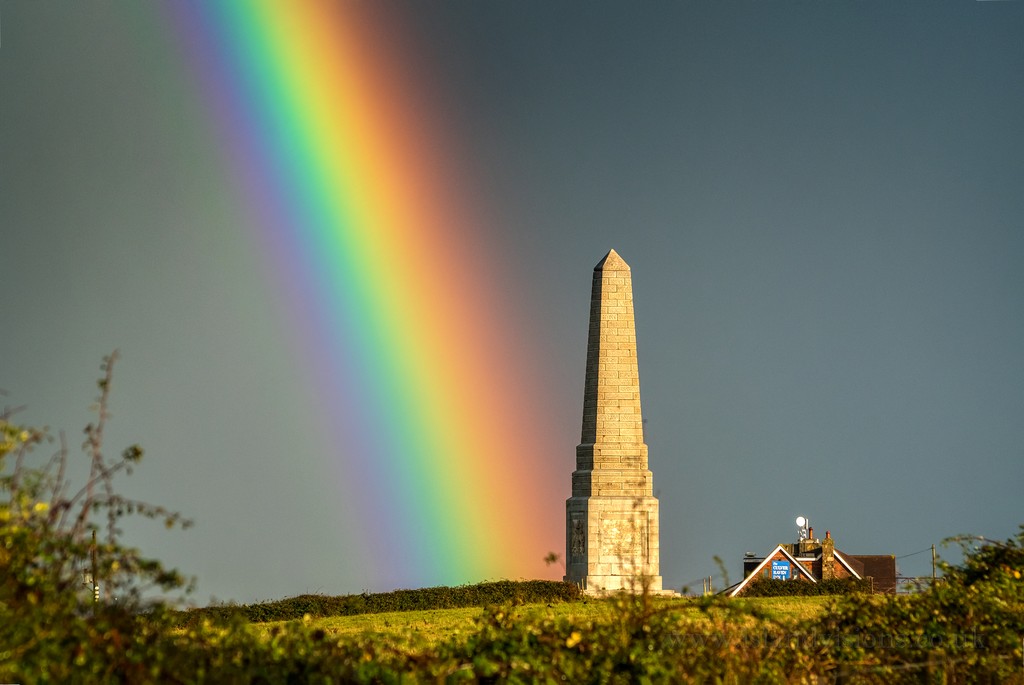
611,520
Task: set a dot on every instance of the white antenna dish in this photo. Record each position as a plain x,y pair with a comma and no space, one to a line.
802,525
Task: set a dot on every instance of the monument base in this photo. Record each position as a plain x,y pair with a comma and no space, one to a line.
603,585
612,544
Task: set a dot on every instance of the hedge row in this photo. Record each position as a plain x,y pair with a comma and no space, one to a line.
483,594
773,587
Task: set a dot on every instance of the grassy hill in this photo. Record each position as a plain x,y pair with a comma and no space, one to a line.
437,625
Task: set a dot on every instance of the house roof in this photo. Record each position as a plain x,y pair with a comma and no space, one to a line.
849,566
881,568
845,562
736,589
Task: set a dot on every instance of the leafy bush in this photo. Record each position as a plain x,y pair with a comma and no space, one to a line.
54,551
969,624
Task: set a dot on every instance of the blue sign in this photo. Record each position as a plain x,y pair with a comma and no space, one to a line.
780,570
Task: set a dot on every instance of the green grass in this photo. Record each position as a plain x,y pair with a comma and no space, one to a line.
791,608
405,628
435,625
491,593
397,627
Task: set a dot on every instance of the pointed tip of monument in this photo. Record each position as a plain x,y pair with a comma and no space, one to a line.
612,260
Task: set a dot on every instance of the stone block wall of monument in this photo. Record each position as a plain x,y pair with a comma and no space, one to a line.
612,526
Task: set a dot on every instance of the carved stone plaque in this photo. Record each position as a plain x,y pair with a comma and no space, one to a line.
578,539
623,536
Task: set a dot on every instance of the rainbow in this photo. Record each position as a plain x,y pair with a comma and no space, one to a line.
424,383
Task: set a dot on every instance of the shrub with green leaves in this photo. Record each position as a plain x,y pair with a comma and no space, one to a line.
969,625
59,541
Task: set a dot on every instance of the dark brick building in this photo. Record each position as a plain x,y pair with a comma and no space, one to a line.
812,560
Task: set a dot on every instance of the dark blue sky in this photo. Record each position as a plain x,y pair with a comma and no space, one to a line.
821,203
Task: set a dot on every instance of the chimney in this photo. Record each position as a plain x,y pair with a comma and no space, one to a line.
810,533
828,557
